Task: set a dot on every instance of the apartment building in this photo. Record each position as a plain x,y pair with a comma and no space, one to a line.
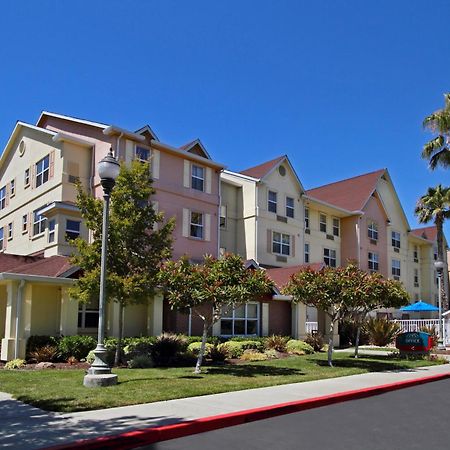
38,170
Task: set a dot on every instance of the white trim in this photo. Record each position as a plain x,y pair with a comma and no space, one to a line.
112,130
239,175
282,297
184,155
36,278
72,119
197,142
60,137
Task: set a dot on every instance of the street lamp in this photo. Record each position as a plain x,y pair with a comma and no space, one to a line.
99,374
439,266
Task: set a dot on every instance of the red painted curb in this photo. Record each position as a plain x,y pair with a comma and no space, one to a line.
138,438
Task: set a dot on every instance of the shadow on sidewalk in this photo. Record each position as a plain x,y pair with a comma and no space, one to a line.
27,427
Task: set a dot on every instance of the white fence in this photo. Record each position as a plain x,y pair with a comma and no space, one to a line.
311,326
417,324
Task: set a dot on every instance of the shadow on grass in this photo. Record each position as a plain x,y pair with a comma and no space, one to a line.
368,363
49,404
249,370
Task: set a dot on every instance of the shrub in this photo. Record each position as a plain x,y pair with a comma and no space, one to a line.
276,342
166,347
297,347
434,334
247,339
138,347
90,357
140,362
76,346
271,354
44,354
36,342
233,348
214,340
347,333
15,364
219,353
252,355
382,332
315,340
252,345
194,348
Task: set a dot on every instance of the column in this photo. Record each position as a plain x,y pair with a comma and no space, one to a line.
68,325
264,319
155,315
8,342
298,320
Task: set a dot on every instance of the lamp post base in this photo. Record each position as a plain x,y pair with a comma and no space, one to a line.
100,380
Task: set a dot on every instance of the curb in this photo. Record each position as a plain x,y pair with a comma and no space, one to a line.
138,438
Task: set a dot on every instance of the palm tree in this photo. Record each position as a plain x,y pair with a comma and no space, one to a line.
437,150
435,205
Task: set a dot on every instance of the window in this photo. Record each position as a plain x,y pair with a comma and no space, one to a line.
26,178
51,231
10,231
289,207
42,171
372,231
241,321
142,154
306,218
196,225
373,261
306,253
336,227
272,202
281,243
223,216
197,178
24,223
435,253
39,223
72,229
88,315
416,277
1,238
329,257
396,268
395,235
323,223
12,188
3,197
416,253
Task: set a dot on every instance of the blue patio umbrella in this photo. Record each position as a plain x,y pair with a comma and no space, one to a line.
420,306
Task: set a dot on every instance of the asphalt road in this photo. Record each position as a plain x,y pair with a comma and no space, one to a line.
411,418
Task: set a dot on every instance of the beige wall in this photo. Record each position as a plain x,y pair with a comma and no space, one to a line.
45,310
3,301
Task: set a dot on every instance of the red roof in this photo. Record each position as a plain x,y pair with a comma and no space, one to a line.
54,266
281,276
429,233
350,194
262,169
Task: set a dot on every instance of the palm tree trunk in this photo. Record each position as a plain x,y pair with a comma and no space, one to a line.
439,222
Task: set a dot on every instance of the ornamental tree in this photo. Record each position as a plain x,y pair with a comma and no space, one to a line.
335,291
210,288
138,240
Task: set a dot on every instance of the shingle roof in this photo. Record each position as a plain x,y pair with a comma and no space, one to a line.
350,194
281,276
429,233
263,169
54,266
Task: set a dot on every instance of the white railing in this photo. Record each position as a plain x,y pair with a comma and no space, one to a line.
311,326
417,324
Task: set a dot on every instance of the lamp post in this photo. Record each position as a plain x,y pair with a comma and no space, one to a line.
439,266
99,374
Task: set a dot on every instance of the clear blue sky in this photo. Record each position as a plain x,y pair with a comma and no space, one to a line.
340,86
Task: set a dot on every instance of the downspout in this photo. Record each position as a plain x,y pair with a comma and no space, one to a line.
18,313
118,145
92,180
358,239
256,221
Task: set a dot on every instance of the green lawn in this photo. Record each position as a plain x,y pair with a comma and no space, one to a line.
63,390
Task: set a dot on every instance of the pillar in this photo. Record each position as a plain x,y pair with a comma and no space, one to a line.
155,315
264,319
298,320
68,325
8,342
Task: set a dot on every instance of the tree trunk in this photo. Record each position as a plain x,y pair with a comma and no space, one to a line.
358,332
439,222
330,344
118,355
198,366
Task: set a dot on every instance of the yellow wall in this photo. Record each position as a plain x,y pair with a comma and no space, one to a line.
2,310
45,310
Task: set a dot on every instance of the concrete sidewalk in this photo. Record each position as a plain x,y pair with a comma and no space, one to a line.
25,427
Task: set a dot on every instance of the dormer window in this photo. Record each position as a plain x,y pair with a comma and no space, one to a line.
142,154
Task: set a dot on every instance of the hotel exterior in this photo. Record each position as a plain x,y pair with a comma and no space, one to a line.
262,213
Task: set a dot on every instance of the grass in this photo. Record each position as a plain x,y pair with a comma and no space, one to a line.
63,390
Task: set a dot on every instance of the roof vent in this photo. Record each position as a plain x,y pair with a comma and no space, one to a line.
22,148
282,170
